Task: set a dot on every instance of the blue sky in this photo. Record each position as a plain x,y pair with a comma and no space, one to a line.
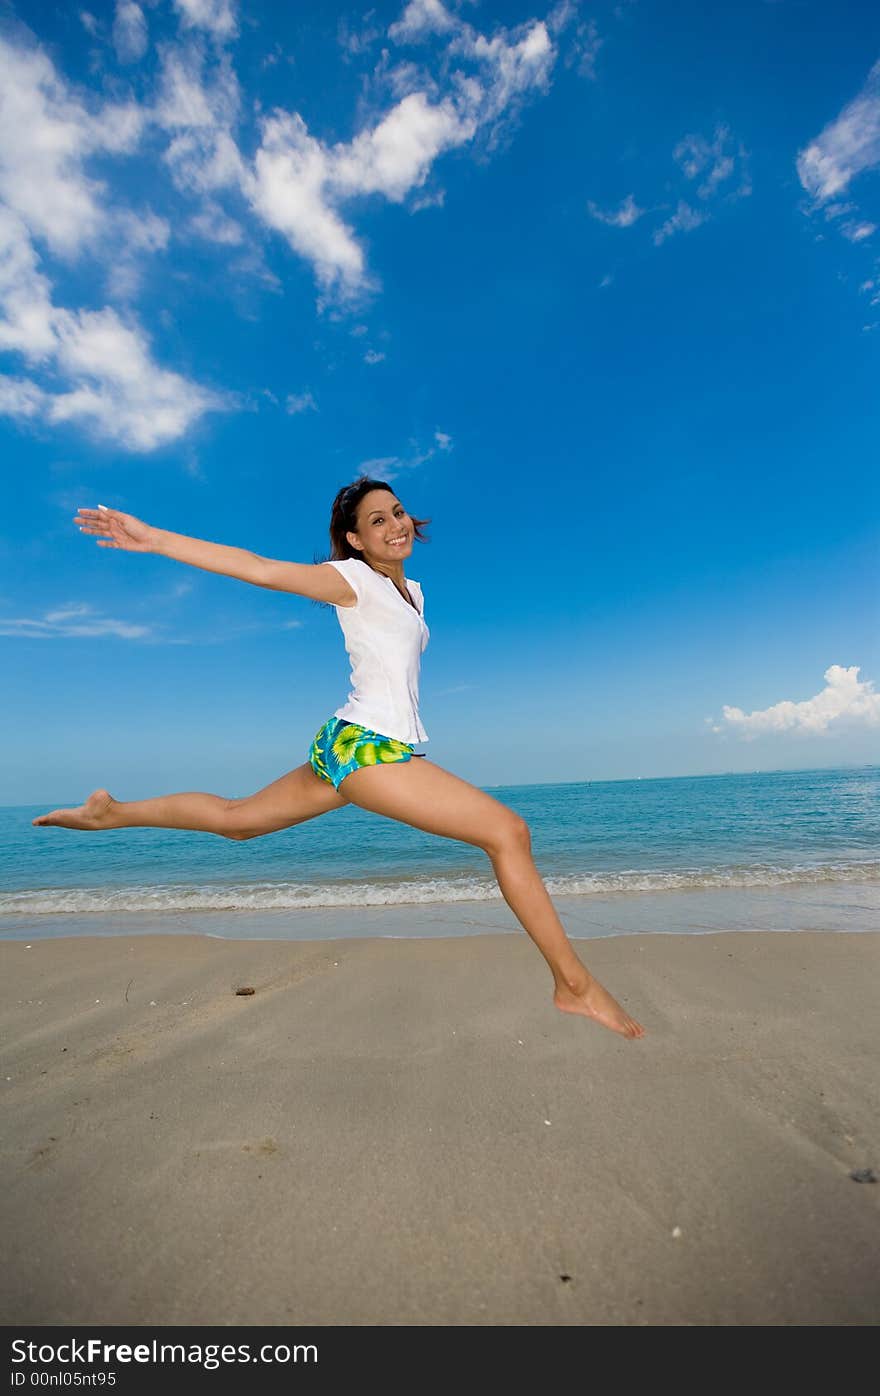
595,287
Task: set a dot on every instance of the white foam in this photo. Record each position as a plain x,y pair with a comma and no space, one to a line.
292,896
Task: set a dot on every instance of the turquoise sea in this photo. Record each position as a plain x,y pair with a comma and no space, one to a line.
750,831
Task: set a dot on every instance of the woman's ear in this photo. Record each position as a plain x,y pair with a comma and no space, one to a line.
354,541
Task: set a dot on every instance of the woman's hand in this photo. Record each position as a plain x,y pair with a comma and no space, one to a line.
116,530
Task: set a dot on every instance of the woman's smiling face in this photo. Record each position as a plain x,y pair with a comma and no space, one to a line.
384,528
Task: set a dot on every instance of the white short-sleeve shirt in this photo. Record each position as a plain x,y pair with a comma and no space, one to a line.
384,637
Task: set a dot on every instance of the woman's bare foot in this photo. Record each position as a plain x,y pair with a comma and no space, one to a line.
595,1002
94,814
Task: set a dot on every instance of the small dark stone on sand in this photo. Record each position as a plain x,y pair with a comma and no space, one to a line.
245,991
566,1279
863,1175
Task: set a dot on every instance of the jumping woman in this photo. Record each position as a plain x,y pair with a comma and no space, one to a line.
364,754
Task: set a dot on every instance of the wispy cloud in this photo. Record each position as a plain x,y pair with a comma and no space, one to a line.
830,164
477,82
845,701
858,231
440,84
355,42
217,17
95,367
718,168
684,220
130,37
72,621
714,162
300,402
717,171
622,217
584,42
391,466
378,463
102,371
849,145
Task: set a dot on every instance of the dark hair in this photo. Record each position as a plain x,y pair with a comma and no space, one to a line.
343,516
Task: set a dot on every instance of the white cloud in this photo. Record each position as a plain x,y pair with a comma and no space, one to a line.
355,42
391,466
73,621
300,402
583,48
111,384
373,356
49,134
513,63
299,183
98,368
838,208
289,193
120,391
200,105
396,154
683,220
720,165
25,294
95,366
130,37
218,17
586,48
214,225
421,18
849,145
846,700
623,217
715,162
376,463
20,398
135,234
432,199
857,232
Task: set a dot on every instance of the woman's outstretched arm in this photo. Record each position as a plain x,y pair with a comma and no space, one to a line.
113,529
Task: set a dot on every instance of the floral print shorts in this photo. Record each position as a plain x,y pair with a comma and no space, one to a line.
341,747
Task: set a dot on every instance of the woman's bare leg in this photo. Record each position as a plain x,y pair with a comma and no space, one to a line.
420,793
297,796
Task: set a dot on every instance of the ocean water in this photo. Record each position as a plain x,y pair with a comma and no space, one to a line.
766,830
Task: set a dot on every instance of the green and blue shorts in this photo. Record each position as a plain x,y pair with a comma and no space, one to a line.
341,747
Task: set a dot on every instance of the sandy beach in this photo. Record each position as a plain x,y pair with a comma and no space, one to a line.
406,1132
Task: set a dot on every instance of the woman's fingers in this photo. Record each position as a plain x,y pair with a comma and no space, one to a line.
96,522
111,528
